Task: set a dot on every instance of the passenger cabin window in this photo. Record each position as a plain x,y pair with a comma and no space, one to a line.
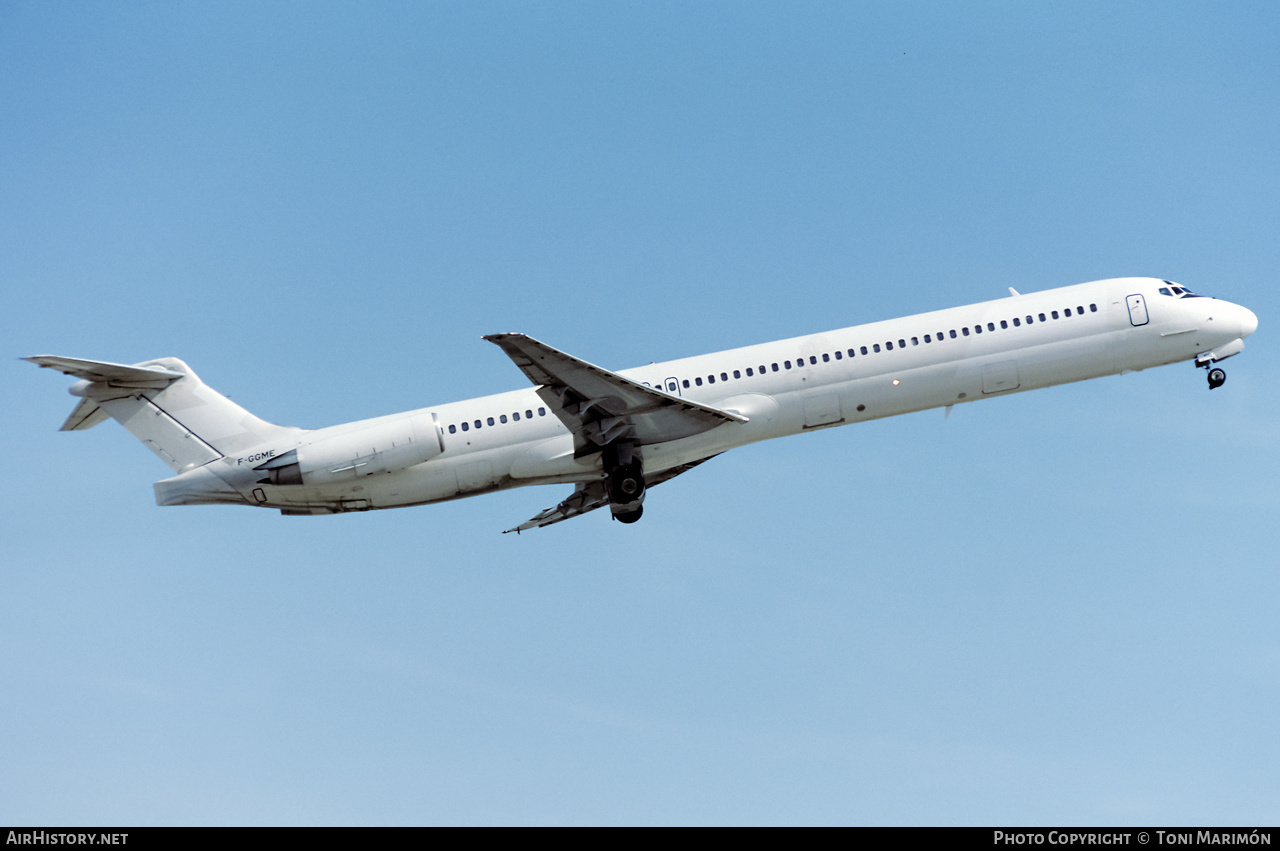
453,429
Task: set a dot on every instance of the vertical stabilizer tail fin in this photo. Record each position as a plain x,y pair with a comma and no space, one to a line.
165,405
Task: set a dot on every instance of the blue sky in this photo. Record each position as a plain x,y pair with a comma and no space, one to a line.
1056,607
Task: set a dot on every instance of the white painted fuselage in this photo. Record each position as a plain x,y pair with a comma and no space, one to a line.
864,372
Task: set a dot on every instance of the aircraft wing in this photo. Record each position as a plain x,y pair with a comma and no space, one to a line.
600,406
588,496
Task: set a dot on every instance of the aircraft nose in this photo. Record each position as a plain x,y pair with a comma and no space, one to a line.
1248,322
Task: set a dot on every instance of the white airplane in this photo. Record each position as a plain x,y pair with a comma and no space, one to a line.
614,435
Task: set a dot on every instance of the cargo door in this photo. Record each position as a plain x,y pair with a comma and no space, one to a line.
474,476
822,410
1000,377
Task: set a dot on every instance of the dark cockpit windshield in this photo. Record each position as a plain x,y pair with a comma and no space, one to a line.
1177,291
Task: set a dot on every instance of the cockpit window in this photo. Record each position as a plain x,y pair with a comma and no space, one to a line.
1177,291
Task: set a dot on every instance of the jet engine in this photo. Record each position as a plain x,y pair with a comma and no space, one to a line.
349,452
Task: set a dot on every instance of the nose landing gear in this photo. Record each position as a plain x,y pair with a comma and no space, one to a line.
1217,377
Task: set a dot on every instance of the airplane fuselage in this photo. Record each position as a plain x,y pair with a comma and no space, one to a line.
850,375
613,434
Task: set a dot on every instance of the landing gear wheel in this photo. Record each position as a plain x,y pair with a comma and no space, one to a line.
629,516
626,484
1217,377
630,485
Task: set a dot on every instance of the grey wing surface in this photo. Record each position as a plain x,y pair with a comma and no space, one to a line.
600,406
588,496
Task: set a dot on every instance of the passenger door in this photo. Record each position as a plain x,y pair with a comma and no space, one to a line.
1137,310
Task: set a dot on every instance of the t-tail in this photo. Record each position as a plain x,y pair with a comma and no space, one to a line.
164,404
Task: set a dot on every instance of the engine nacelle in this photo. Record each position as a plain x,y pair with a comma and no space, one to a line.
385,446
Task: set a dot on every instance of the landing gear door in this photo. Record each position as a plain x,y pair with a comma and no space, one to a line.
671,385
1137,310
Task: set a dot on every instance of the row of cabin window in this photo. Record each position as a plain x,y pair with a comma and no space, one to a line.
902,343
502,418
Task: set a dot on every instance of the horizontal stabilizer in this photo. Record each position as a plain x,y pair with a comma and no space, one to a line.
118,374
86,415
